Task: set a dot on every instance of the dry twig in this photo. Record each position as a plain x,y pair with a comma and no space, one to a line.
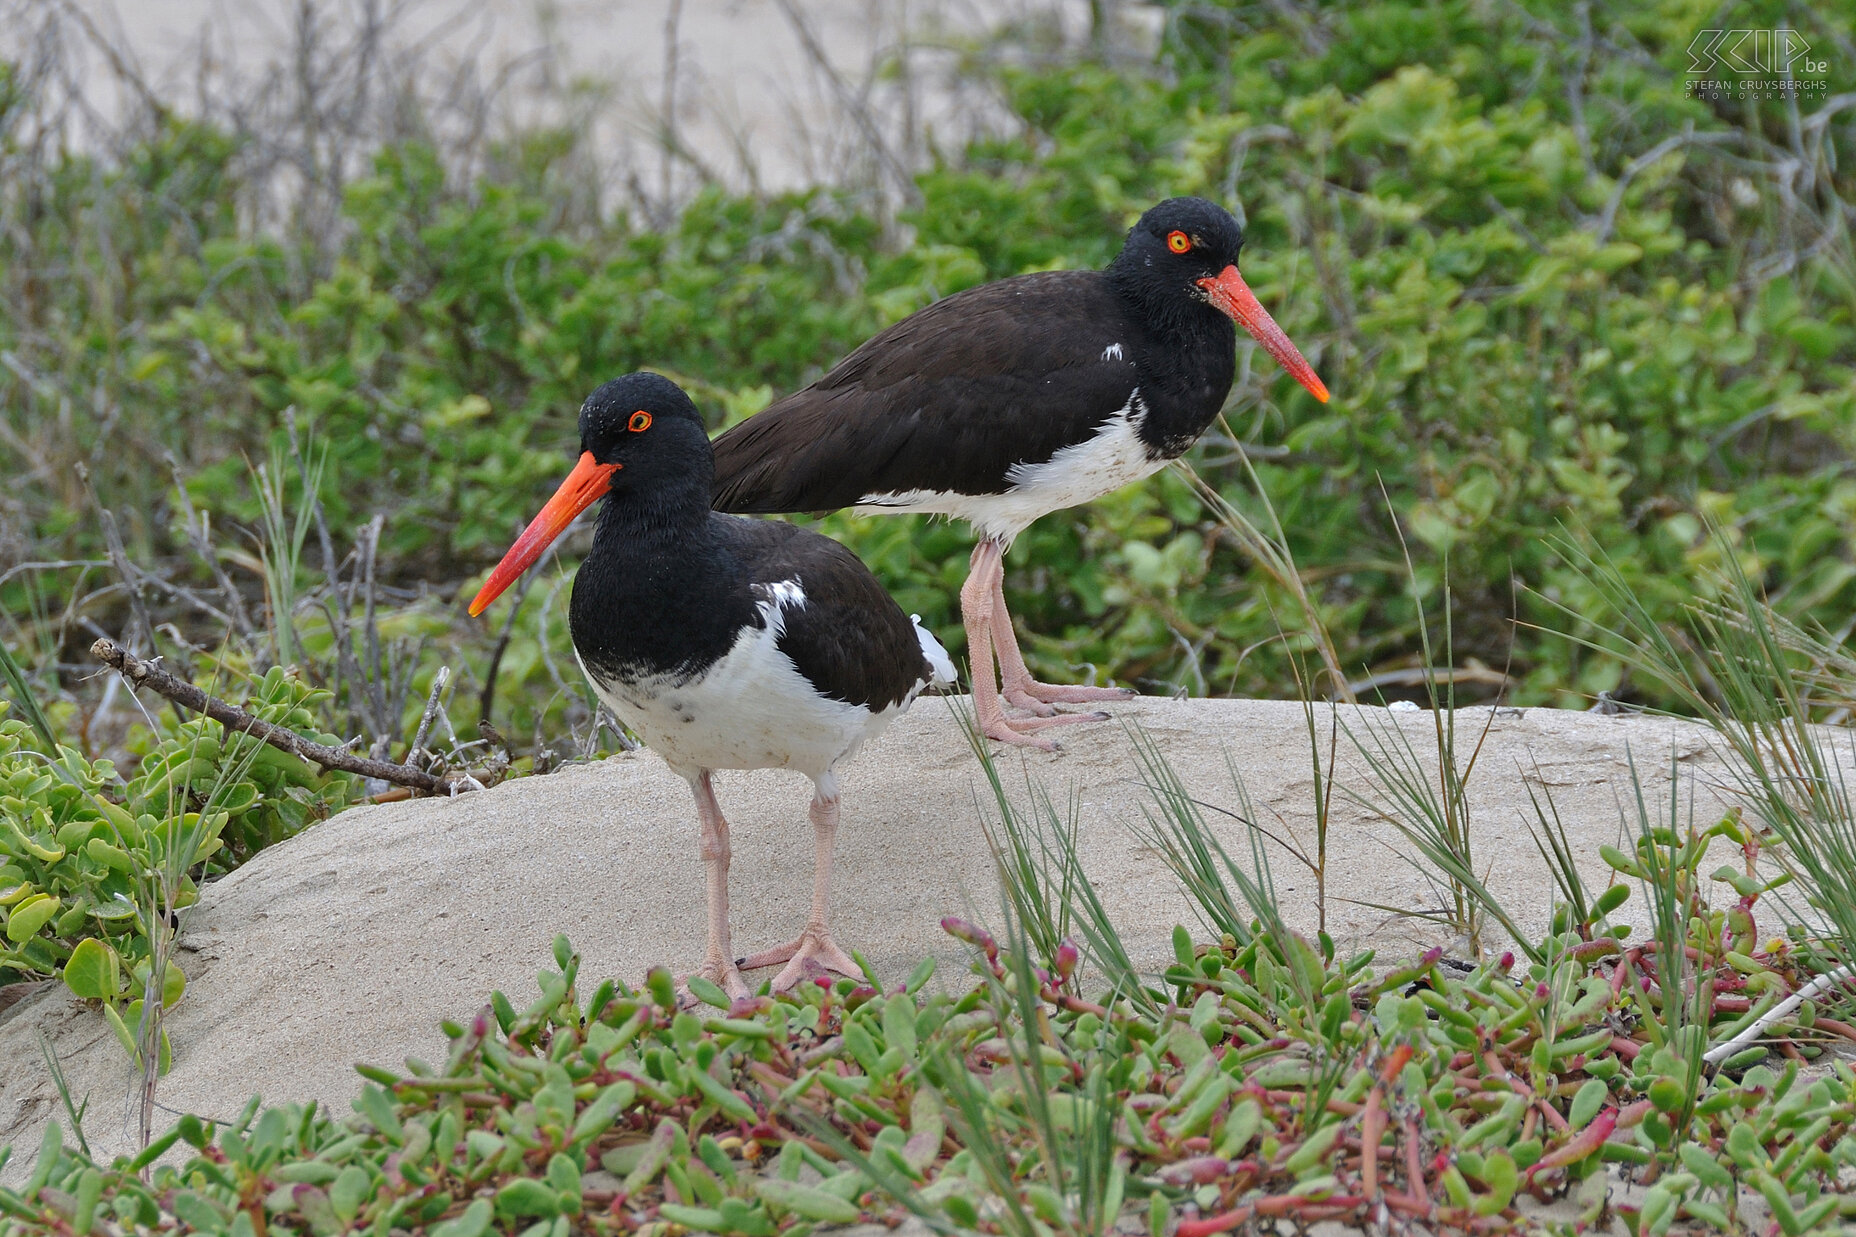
146,674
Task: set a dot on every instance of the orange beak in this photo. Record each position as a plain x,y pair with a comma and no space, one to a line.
584,486
1232,296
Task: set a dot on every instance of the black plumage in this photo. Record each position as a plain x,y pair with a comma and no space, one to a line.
1004,402
951,398
669,585
724,642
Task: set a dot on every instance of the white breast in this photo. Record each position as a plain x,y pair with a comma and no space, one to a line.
751,709
1113,457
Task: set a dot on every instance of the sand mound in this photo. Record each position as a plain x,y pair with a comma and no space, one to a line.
352,940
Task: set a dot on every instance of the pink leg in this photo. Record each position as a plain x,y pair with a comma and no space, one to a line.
814,951
1020,689
717,965
980,606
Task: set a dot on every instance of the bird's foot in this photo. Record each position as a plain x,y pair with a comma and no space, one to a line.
1037,698
724,975
811,954
1021,731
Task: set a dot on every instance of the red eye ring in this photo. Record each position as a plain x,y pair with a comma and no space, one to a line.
640,422
1178,242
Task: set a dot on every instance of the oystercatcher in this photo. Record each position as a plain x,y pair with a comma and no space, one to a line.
725,643
1008,401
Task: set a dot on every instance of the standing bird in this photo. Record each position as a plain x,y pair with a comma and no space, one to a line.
725,643
1014,399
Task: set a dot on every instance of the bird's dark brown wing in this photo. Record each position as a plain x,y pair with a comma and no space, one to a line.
848,636
947,400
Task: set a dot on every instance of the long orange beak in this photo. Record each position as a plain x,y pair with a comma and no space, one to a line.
1233,297
584,485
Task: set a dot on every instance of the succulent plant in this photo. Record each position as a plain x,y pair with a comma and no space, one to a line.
91,865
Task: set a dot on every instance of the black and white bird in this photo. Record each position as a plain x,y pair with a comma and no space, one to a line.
1011,400
724,643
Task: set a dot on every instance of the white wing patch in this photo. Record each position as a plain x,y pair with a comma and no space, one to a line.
938,660
779,597
1112,353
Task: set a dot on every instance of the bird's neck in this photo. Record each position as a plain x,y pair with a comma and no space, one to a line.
656,593
672,510
662,536
1188,365
1168,310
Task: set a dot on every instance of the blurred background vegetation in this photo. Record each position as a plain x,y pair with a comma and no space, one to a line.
260,410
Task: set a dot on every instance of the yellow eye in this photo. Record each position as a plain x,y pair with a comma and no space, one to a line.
1178,242
641,421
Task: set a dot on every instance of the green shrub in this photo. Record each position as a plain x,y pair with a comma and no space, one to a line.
1525,319
54,889
91,865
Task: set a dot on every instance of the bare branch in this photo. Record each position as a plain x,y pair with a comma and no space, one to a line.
146,674
432,704
856,108
1608,218
112,541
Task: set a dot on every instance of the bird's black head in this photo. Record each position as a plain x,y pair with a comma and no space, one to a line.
1181,258
646,428
1178,243
641,440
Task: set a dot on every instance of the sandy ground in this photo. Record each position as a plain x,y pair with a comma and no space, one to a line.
350,941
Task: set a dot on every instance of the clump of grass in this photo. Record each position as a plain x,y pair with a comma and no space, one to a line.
1269,549
1032,850
1427,798
1041,877
1762,683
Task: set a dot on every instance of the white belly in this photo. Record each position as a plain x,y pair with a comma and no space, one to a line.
1115,456
751,709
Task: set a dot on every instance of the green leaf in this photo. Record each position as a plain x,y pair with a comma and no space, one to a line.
154,1150
504,1011
29,916
309,1172
598,1116
525,1196
84,1205
708,992
1608,901
703,1219
351,1188
376,1105
919,977
1668,1094
124,1035
564,1176
1620,861
92,971
724,1097
899,1026
1707,1169
807,1202
651,1160
663,989
1586,1102
474,1222
173,986
741,1216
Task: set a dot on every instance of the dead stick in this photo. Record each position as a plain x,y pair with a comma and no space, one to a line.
146,674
